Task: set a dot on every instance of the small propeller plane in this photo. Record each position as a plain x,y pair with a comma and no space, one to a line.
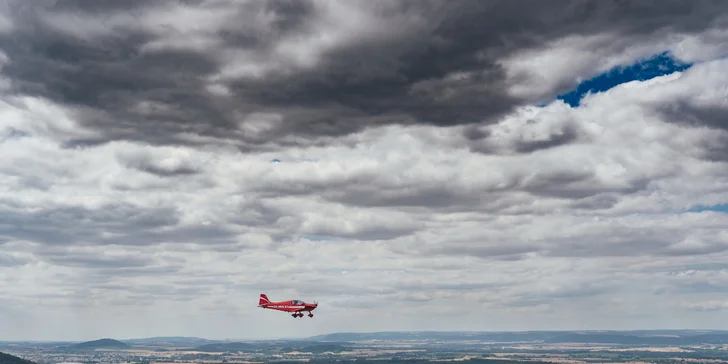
298,307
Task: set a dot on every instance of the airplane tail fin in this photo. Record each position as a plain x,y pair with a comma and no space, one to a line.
263,300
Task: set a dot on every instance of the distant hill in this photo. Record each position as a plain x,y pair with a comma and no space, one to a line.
12,359
644,337
99,344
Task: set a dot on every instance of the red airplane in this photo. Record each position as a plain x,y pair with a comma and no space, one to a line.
298,307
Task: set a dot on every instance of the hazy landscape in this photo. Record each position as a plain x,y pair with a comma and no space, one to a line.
655,346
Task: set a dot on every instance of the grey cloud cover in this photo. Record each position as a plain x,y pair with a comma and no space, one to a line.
421,160
269,72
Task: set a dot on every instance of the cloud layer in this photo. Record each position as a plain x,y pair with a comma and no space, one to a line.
164,163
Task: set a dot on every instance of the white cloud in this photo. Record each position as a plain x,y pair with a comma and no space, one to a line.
563,63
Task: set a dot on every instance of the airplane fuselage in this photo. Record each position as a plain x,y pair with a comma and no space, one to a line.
288,307
297,307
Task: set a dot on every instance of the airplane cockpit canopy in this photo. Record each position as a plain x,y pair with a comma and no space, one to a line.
297,302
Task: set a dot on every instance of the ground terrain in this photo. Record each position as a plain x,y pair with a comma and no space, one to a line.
637,347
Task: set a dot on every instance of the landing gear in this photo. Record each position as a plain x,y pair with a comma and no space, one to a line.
310,315
297,314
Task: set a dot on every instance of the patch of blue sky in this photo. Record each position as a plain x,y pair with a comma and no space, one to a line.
716,208
659,65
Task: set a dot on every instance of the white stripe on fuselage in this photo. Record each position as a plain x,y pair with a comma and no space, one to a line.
286,306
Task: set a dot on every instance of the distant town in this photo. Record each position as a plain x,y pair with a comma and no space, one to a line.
536,347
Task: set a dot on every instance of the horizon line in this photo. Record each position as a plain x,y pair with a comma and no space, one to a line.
354,332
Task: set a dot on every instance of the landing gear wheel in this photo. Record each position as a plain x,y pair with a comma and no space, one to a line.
310,315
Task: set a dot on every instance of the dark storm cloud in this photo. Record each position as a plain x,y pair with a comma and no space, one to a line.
718,152
435,195
146,163
564,136
481,140
577,185
691,114
687,113
442,70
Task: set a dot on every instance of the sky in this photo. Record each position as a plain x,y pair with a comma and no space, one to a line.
410,165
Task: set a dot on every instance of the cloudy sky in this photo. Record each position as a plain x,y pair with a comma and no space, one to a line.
411,165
